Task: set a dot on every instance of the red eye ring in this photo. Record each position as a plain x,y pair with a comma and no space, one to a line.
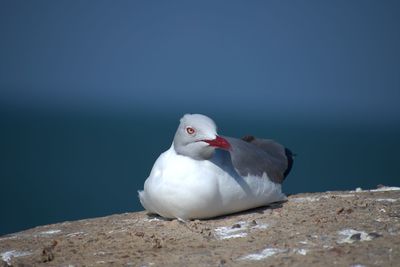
190,130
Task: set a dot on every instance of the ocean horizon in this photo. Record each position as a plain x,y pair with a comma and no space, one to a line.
69,166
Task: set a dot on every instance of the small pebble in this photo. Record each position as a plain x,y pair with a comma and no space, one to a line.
253,223
339,210
356,237
349,211
374,235
139,234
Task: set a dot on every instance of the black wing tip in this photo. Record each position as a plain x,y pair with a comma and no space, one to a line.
289,155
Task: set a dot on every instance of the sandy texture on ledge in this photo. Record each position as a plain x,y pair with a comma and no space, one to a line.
320,229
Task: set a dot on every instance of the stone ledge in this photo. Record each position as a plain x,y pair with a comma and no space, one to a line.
346,228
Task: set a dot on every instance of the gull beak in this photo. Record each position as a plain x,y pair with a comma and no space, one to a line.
218,142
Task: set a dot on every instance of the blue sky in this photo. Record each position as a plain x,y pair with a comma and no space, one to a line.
325,59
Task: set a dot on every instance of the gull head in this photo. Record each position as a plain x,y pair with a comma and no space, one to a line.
197,137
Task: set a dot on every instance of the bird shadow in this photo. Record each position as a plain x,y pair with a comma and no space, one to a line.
153,216
258,210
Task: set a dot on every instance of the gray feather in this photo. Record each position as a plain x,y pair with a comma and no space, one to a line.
258,156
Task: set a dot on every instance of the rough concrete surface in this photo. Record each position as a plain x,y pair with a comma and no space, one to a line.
351,228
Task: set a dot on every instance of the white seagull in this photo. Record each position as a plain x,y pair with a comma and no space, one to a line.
204,175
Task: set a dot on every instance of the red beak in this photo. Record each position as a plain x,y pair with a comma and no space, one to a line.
219,142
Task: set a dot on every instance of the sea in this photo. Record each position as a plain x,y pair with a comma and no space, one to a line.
63,166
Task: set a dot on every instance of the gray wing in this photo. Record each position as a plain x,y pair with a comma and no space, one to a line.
274,149
252,156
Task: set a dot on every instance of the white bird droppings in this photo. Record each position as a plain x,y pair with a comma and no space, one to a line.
385,199
268,252
8,255
300,251
350,236
305,199
155,219
382,189
50,232
226,232
75,234
101,253
239,229
117,231
8,237
386,188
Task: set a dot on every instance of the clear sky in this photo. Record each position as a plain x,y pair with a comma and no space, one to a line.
295,58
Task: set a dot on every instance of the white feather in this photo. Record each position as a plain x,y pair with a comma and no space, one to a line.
185,188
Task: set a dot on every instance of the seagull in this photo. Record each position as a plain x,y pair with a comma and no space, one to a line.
204,175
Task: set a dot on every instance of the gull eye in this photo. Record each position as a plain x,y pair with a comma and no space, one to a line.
190,130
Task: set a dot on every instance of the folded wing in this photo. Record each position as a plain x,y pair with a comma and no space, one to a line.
253,156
